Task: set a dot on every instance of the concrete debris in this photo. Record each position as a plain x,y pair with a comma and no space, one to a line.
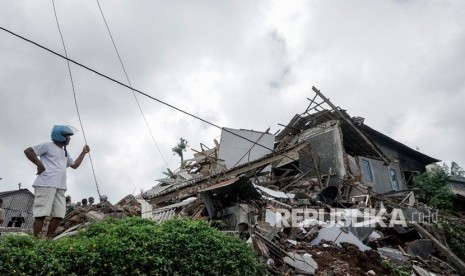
76,219
374,236
303,264
338,235
307,198
393,254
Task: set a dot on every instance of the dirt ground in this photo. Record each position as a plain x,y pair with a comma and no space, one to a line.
348,260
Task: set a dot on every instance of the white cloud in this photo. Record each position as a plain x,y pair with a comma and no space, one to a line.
239,64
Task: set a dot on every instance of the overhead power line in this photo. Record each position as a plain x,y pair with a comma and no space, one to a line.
127,86
142,93
130,84
74,95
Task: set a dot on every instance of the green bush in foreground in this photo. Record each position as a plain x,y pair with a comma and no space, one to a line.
132,246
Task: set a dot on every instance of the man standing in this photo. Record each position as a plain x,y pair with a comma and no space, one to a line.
52,159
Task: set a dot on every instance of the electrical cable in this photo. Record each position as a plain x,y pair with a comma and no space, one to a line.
127,86
129,82
74,95
144,94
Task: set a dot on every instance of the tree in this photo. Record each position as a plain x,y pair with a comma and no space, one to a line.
179,149
456,170
433,187
169,173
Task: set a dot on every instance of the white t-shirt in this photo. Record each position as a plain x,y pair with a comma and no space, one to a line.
55,163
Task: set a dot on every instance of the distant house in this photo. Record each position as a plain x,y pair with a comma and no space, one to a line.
18,208
457,186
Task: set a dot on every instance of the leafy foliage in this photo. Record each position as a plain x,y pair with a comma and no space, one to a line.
454,233
396,270
132,246
433,188
453,169
180,148
169,173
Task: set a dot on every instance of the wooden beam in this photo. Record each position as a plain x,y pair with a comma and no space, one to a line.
456,261
349,121
195,187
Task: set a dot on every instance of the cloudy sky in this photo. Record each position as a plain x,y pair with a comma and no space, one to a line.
238,64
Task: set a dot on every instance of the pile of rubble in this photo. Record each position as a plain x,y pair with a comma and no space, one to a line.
311,199
81,215
327,195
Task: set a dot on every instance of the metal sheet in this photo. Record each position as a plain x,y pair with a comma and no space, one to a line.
221,184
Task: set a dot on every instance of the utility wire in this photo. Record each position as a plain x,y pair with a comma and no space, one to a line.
74,95
134,89
142,93
129,82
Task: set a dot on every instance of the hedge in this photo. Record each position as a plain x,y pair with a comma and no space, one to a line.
132,246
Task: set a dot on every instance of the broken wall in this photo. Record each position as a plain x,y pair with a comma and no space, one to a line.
407,161
235,150
380,177
326,151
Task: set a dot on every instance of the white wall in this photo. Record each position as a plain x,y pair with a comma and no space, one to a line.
235,150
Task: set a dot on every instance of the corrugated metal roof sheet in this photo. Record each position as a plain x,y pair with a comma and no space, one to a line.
167,212
205,179
166,215
221,184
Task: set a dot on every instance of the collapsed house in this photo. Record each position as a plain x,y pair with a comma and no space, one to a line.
323,158
325,164
321,155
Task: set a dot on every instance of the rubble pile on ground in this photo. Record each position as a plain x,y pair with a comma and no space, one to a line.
128,206
327,195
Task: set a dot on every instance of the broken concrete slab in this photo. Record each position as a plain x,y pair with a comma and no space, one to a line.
275,194
302,263
393,254
94,216
337,235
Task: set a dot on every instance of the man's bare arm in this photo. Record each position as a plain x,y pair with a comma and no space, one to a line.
32,156
78,160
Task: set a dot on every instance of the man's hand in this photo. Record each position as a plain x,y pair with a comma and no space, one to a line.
40,168
78,160
31,155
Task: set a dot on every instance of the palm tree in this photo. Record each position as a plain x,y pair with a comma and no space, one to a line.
180,147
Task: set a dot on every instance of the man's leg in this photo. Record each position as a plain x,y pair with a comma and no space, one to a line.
58,212
38,225
43,198
53,225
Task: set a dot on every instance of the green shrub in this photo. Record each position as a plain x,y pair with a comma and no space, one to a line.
454,233
132,246
395,269
433,188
